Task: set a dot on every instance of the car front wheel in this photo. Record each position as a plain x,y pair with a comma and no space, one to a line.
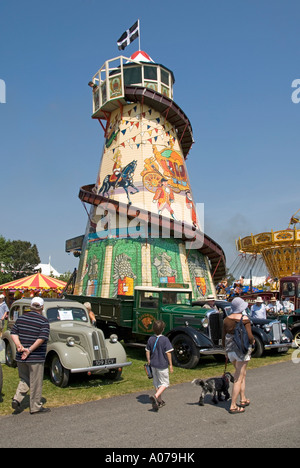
296,334
186,353
258,348
9,356
58,374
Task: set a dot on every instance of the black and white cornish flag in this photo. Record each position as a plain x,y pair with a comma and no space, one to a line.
129,36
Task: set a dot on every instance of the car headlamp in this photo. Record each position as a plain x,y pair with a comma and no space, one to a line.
113,338
205,322
71,341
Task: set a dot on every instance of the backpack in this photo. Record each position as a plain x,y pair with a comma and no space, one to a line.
240,337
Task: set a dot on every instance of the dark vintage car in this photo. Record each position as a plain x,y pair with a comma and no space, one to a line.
269,334
292,321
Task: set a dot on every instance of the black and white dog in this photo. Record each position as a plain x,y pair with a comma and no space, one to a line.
217,385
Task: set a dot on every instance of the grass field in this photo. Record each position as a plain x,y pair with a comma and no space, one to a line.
83,388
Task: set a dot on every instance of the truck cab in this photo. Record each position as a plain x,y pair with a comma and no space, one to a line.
193,331
290,289
152,304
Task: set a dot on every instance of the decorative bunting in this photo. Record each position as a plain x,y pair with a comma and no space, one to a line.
166,131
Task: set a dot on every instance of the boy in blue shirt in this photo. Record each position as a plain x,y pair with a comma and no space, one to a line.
158,354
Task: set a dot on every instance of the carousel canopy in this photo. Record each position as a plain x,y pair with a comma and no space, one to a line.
37,281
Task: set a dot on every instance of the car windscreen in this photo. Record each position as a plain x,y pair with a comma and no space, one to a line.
176,298
59,314
228,310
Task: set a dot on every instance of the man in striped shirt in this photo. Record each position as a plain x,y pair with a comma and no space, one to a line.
30,335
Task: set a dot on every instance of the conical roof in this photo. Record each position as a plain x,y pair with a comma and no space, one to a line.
141,56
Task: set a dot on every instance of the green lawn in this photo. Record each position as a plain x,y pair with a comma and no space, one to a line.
83,388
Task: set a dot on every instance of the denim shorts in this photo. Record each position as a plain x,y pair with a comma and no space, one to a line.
232,356
160,377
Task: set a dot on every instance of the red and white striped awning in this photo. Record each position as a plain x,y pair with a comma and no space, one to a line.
37,281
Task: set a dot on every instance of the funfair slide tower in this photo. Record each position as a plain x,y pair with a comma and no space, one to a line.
143,228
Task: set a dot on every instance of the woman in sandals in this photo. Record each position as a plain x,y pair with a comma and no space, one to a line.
234,354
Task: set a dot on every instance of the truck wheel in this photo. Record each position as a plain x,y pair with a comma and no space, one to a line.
58,374
258,348
296,334
186,353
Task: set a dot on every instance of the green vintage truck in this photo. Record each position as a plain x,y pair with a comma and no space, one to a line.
193,331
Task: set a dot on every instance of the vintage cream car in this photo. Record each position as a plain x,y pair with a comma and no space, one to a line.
74,346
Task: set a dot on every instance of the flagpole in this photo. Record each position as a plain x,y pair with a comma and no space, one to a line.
139,35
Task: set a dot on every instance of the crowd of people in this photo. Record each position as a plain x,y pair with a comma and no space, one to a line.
261,308
30,334
274,307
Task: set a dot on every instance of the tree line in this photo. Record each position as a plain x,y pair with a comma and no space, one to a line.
17,259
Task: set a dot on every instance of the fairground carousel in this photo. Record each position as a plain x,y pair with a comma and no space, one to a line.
280,250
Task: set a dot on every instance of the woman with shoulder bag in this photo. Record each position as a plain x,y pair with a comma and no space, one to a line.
238,357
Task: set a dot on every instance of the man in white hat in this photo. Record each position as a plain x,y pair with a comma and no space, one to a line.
274,307
258,310
210,302
288,306
30,334
3,313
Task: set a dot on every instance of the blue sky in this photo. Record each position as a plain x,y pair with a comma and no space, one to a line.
234,62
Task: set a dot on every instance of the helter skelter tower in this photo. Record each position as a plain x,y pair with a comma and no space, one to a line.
143,228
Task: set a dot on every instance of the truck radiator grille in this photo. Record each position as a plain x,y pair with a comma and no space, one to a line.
277,332
215,327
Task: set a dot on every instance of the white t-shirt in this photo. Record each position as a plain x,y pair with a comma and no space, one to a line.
259,311
3,310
